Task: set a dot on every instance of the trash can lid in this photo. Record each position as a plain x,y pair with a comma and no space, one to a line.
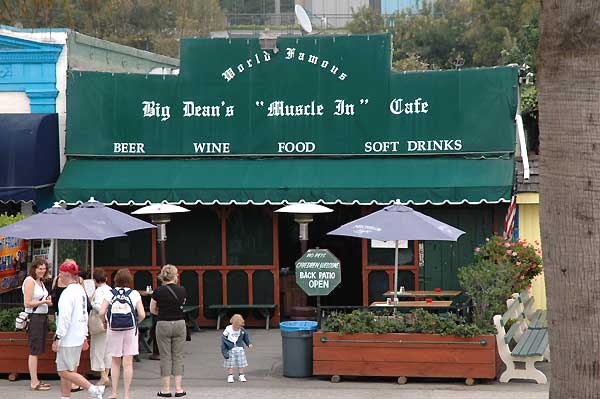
298,325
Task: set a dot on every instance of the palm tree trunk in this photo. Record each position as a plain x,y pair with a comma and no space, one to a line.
569,104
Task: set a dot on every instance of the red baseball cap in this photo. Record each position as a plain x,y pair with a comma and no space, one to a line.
70,267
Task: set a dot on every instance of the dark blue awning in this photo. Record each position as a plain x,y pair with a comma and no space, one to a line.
29,159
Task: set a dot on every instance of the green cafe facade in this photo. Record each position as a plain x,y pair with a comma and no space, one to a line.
243,130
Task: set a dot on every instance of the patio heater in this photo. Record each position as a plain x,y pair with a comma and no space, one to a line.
160,215
303,215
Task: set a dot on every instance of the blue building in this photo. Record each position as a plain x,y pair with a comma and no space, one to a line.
34,68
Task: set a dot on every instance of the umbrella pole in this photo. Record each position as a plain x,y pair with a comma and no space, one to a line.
92,261
396,273
55,256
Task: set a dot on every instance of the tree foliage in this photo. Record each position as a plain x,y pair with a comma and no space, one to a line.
152,25
454,33
365,20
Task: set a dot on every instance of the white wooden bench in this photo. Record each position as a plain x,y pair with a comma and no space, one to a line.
530,348
528,317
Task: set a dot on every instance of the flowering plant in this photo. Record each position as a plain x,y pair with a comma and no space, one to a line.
523,255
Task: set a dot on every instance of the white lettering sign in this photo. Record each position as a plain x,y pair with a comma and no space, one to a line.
290,55
128,148
256,59
212,148
433,145
399,106
153,109
190,109
299,147
381,146
280,108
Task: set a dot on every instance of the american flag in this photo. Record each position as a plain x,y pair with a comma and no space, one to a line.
509,220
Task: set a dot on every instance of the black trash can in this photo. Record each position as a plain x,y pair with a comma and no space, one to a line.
296,340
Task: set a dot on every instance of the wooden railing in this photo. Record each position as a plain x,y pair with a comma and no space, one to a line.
200,270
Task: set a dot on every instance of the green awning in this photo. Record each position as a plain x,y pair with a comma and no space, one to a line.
416,180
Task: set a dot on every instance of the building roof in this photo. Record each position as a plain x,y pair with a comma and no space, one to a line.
531,185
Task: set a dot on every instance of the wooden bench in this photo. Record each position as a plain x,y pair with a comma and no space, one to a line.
535,321
264,309
530,348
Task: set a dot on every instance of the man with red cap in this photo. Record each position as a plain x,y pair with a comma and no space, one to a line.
71,332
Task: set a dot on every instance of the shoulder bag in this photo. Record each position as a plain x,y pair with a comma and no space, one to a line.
188,333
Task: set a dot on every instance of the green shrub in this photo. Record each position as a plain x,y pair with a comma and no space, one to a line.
419,322
7,319
489,285
6,219
8,316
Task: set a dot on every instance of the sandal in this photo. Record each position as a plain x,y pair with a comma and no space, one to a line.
164,395
40,387
180,394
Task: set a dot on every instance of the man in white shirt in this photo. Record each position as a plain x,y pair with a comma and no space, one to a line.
71,333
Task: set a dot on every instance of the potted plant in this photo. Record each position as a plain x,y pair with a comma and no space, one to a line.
426,345
419,344
15,350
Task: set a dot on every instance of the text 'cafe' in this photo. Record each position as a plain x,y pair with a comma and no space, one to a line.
242,130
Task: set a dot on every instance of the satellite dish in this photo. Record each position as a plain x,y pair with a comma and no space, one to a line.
303,18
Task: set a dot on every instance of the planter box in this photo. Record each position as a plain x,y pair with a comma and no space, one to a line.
15,351
405,355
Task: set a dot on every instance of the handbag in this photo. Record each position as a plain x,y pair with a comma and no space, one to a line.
95,325
22,320
188,333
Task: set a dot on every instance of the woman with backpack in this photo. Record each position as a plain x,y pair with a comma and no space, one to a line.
122,310
167,302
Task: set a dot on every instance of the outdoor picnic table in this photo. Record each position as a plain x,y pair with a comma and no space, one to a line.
414,304
419,294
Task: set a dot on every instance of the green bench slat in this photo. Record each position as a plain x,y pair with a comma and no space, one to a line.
527,303
532,343
538,320
511,332
145,324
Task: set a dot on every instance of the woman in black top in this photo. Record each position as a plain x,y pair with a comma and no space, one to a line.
167,302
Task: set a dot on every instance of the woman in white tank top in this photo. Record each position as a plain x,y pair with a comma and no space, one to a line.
36,301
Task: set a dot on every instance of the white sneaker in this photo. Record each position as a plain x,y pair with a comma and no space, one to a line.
230,379
97,391
242,378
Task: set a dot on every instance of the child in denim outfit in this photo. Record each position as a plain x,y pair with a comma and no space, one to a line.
232,347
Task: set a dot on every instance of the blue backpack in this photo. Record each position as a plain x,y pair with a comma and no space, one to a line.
121,314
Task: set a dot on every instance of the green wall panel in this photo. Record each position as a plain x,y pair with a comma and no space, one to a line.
443,259
249,237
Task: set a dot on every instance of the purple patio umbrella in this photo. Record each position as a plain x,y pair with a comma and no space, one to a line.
398,222
96,212
57,223
61,224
